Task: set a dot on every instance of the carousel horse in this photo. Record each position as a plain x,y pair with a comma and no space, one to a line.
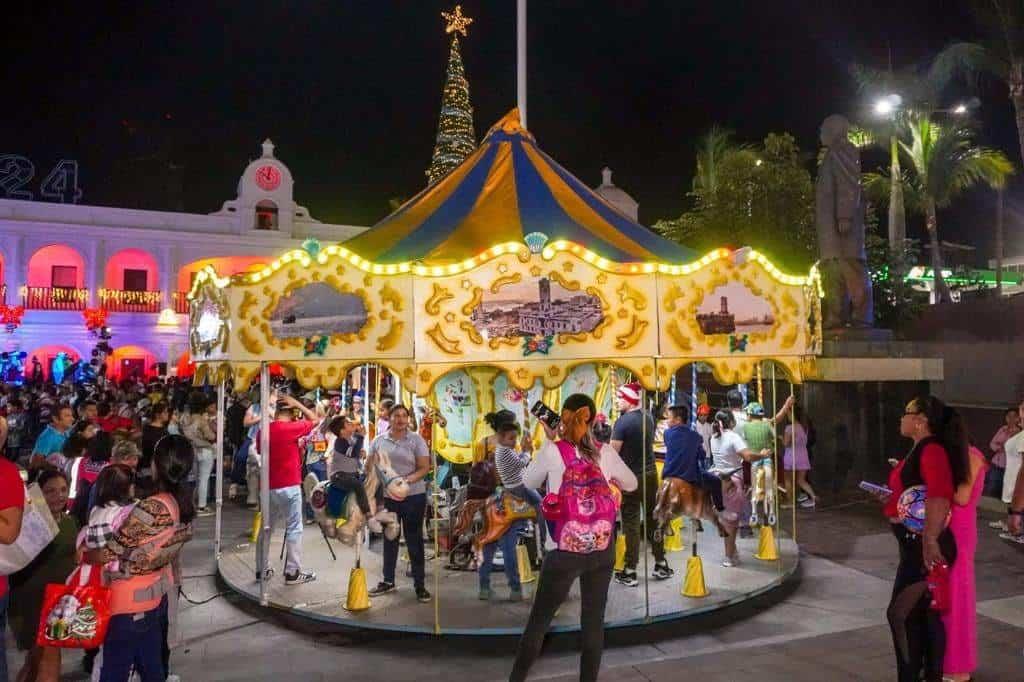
676,498
762,493
331,505
497,513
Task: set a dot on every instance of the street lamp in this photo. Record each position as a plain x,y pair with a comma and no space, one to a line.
888,104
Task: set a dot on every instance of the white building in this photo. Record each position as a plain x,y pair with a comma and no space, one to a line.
59,259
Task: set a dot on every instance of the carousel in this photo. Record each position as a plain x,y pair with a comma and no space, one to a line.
506,283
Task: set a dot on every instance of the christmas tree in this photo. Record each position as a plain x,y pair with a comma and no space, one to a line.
455,136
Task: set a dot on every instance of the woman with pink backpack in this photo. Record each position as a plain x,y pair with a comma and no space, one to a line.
585,480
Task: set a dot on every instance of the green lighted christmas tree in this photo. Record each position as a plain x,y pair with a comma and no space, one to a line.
455,136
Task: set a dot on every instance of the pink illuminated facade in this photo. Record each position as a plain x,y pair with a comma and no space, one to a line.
59,259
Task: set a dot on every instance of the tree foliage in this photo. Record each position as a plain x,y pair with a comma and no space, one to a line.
895,302
761,197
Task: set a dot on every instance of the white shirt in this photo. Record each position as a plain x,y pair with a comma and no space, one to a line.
725,451
547,465
1014,448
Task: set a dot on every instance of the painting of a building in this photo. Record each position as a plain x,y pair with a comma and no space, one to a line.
733,308
554,311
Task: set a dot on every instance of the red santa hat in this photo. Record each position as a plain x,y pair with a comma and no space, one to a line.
630,393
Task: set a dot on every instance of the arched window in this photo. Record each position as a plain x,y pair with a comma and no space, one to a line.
266,215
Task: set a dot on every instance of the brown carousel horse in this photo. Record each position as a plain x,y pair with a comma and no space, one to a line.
676,498
496,520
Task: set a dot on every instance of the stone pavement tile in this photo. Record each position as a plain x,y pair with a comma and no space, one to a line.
1009,610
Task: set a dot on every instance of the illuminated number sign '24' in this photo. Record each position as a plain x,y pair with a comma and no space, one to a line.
60,185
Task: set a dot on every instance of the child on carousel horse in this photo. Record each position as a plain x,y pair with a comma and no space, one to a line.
685,456
511,464
344,470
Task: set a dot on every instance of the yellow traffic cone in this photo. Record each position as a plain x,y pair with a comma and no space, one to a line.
358,598
766,545
620,552
674,542
693,583
257,524
523,562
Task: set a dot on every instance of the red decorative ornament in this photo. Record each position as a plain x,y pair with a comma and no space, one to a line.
10,316
95,318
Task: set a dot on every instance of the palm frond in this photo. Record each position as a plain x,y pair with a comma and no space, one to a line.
969,61
861,137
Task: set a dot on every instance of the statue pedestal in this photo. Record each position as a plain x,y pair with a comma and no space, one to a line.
856,398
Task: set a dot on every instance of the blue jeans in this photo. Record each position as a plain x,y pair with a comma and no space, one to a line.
238,464
135,639
287,503
994,482
318,469
410,512
508,543
533,498
3,635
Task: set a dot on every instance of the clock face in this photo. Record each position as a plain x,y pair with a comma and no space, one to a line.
268,178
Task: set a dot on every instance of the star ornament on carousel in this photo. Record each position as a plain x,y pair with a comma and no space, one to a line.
456,21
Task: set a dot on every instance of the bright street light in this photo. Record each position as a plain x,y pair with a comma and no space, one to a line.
885,106
960,109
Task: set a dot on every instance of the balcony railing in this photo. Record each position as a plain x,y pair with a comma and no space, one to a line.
181,302
120,301
54,298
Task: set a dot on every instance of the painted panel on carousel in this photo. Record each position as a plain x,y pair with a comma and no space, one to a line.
736,305
516,400
524,307
307,307
455,395
209,318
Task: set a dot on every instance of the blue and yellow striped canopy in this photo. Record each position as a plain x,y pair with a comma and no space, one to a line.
503,191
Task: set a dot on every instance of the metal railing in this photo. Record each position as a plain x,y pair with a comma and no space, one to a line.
181,302
121,301
54,298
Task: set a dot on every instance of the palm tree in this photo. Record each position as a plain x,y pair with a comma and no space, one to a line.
713,148
942,162
1000,54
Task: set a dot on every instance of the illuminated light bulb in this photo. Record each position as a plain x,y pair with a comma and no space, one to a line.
576,248
403,267
454,269
499,249
437,271
321,258
633,268
602,263
420,271
468,264
649,267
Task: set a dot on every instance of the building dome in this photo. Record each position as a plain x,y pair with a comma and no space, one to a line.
616,196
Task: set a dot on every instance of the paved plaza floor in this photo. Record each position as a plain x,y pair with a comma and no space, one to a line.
829,624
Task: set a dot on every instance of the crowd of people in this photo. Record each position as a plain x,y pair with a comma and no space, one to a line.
130,465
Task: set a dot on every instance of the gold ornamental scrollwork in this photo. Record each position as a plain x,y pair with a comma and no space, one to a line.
446,345
433,304
500,282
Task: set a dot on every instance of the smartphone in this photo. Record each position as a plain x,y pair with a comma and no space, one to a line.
545,414
874,488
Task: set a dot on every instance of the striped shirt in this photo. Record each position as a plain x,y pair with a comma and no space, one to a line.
510,465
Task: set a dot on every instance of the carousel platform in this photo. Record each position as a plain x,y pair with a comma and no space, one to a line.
456,609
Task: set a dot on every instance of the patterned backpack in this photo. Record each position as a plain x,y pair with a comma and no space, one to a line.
585,509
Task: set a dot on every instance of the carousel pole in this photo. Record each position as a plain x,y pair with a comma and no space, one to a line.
693,394
366,399
220,470
435,492
792,427
263,547
521,60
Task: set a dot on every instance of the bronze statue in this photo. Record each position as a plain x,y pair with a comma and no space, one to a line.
839,218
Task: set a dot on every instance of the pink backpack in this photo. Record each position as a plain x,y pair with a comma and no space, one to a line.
585,509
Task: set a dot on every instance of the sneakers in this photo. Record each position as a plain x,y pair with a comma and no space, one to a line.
204,511
809,503
999,525
422,596
267,574
299,577
382,588
730,562
627,578
662,571
1012,538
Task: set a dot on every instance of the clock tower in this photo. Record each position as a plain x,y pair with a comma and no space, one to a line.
265,204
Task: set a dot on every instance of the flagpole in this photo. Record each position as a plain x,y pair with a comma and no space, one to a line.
521,60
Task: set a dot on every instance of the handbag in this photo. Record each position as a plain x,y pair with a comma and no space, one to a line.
75,615
38,529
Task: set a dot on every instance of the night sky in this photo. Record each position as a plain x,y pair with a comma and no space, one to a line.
350,91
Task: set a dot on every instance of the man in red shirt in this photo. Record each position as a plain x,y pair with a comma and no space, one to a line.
285,462
12,503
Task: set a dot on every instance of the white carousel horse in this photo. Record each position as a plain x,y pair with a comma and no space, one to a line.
379,472
762,493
